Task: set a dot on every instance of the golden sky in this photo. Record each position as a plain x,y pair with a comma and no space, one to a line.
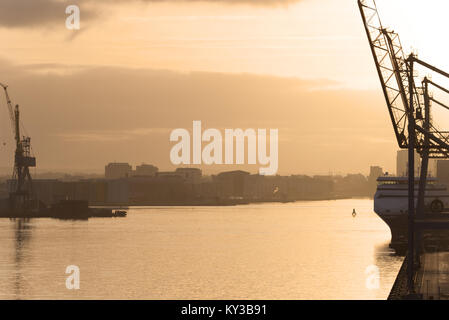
306,39
122,82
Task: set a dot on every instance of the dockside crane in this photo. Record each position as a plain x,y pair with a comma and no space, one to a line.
402,96
409,107
21,189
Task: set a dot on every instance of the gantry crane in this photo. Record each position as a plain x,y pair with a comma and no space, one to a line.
402,96
21,189
406,101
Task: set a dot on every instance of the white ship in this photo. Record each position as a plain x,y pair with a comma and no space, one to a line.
391,202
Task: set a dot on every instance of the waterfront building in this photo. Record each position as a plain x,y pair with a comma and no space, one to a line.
117,170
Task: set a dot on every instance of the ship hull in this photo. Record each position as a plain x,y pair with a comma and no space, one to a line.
398,225
429,239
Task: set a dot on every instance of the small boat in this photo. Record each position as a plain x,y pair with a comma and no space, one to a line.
120,213
354,213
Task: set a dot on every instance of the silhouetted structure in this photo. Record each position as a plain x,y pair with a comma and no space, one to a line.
21,191
145,170
187,186
375,172
402,163
192,175
409,106
443,171
231,184
117,170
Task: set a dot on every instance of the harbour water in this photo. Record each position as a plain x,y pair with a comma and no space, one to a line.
303,250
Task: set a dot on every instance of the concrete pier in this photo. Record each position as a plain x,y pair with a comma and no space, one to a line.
434,276
399,289
431,279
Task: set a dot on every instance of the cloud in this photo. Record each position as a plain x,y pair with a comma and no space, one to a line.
112,135
250,2
85,117
26,13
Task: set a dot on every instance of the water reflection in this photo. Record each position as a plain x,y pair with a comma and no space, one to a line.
313,250
22,237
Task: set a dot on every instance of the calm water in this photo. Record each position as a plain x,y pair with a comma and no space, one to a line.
304,250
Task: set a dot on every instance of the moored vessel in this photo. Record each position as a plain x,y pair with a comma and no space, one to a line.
391,202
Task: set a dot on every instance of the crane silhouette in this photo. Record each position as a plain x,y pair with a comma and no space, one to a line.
21,189
406,101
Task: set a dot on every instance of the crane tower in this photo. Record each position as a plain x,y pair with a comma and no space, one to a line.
21,189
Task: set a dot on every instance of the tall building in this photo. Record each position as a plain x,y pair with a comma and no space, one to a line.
402,163
443,171
375,172
117,170
432,168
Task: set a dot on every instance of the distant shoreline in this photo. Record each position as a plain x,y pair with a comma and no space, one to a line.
219,203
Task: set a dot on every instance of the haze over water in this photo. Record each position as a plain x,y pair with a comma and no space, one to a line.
303,250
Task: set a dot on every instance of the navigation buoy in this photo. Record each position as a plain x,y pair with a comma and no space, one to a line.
354,213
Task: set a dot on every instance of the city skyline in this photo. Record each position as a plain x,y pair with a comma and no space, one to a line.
209,170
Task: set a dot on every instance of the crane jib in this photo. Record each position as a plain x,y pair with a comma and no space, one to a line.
402,96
